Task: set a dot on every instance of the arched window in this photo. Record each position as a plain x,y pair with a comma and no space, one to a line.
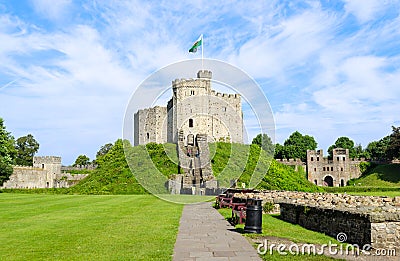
190,123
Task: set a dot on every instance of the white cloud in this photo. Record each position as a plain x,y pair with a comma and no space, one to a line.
50,9
290,44
327,78
365,10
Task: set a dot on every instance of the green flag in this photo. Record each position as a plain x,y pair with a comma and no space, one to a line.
196,44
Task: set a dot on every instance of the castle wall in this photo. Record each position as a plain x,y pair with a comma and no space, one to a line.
45,173
27,177
51,164
297,163
150,125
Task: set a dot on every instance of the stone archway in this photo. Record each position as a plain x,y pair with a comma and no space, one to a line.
328,181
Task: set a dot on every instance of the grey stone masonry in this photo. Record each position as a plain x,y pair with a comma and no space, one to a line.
364,219
45,173
205,235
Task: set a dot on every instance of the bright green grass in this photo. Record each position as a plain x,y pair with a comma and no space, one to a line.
380,176
78,227
273,226
377,193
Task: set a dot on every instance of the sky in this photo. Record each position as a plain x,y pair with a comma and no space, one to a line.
68,68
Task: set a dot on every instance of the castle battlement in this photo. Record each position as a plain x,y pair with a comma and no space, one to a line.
190,83
20,167
45,173
332,172
226,95
46,159
290,161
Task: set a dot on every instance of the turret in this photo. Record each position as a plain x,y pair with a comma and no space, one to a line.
204,74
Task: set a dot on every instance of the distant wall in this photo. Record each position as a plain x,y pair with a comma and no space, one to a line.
27,177
45,173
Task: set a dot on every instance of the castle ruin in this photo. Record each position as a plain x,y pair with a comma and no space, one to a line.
333,172
45,173
322,171
195,116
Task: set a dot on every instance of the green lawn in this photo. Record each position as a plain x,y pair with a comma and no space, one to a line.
377,193
80,227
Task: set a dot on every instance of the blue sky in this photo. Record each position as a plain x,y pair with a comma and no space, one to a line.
68,68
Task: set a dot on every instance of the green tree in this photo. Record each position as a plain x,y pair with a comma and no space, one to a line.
82,160
7,153
279,151
26,147
265,142
104,150
296,146
377,149
344,143
393,149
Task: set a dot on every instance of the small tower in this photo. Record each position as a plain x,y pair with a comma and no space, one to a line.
51,164
204,74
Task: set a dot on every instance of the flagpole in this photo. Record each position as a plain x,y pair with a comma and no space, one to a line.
202,49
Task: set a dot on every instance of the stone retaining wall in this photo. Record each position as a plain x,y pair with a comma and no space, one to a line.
364,219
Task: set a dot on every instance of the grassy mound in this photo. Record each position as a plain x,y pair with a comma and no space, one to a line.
113,175
380,176
278,176
247,163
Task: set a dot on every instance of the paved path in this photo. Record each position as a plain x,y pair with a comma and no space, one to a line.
205,235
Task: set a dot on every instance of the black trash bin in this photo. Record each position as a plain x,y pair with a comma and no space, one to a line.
253,216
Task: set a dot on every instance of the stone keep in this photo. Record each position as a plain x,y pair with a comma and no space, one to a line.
193,109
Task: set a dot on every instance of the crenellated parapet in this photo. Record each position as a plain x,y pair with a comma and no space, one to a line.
45,173
332,172
46,160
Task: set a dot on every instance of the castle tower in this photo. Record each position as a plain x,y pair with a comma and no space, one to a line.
193,109
51,164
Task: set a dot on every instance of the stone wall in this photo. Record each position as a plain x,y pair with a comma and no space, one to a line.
27,177
45,173
364,219
150,125
297,163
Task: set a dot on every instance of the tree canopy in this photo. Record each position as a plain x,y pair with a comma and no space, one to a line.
377,149
104,150
296,146
7,152
26,147
393,148
344,143
265,142
82,160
